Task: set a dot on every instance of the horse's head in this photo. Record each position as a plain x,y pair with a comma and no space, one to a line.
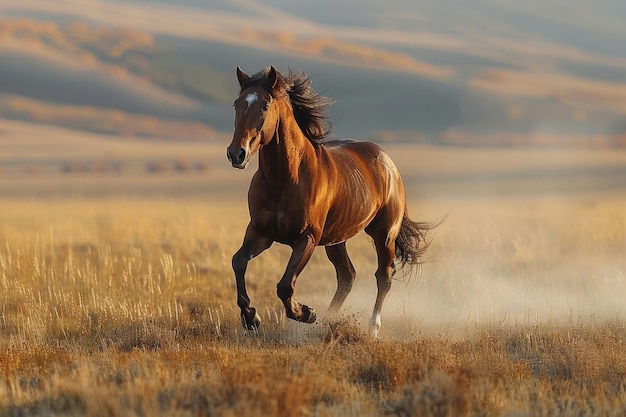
255,116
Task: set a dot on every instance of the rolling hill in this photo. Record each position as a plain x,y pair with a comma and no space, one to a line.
474,73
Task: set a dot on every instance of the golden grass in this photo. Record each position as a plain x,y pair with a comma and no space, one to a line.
127,307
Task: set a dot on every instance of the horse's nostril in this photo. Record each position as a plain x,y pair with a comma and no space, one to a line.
236,156
241,155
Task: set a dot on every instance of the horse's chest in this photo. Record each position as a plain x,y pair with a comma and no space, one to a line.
282,212
279,215
280,224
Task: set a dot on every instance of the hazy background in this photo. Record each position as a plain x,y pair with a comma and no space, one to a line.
530,95
483,72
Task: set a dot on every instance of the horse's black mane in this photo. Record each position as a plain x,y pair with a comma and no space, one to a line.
309,108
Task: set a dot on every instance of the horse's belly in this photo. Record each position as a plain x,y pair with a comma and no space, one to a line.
340,227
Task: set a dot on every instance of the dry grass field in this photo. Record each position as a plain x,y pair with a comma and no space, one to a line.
126,307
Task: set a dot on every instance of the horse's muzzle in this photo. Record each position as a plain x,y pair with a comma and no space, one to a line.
237,157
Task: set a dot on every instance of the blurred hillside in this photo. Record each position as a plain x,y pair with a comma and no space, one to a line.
103,79
476,73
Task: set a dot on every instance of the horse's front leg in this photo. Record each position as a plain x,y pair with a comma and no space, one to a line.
253,245
302,251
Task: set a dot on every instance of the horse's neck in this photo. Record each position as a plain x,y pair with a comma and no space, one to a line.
281,159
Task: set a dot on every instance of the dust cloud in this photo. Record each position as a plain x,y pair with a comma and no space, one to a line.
494,263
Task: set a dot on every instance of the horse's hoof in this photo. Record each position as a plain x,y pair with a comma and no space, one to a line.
308,315
250,320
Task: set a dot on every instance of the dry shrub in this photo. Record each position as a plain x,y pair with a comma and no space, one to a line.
202,166
345,330
182,165
158,167
442,395
142,335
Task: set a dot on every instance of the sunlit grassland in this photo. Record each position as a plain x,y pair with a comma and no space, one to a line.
127,307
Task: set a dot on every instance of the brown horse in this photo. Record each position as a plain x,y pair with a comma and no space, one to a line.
310,191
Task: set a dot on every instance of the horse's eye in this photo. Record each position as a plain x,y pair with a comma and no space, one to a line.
266,107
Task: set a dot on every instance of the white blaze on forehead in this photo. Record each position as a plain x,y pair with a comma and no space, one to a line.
251,98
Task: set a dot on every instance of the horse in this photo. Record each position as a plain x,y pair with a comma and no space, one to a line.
310,190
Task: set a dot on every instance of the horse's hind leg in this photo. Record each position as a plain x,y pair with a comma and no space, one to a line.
338,255
385,250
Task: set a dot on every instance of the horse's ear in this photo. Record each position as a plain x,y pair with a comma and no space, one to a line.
272,77
242,77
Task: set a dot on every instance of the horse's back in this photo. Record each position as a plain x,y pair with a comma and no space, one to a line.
364,155
349,143
351,152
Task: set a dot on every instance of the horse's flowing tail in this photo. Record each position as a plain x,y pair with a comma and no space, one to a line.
413,241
